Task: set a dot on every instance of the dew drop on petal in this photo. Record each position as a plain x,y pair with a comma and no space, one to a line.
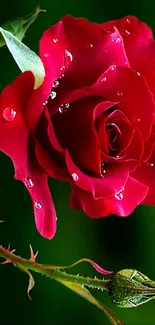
75,177
29,182
68,58
119,195
55,83
46,55
91,45
119,93
128,21
137,73
104,79
53,94
9,114
117,156
118,40
127,32
55,40
62,68
62,76
37,205
103,170
45,102
136,119
112,68
149,164
64,107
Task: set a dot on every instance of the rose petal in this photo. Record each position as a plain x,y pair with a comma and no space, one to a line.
133,194
44,211
114,179
76,125
83,41
86,42
141,56
49,152
52,55
49,165
14,142
146,174
133,100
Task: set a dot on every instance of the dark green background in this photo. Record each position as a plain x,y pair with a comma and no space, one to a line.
113,242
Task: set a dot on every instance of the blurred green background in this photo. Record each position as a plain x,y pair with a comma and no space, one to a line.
113,242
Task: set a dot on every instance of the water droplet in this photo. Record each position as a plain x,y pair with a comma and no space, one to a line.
91,45
126,62
55,40
127,32
62,68
9,114
149,164
62,76
68,58
37,205
75,177
46,55
119,93
136,119
117,156
103,170
64,107
137,73
112,40
118,40
55,83
104,79
128,21
53,94
29,182
119,195
45,102
113,67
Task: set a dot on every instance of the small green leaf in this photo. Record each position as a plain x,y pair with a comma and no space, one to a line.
83,292
25,58
31,279
19,26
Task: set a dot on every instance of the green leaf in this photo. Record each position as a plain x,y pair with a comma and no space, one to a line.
25,58
31,279
83,292
19,26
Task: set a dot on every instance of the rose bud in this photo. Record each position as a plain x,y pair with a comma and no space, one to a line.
130,288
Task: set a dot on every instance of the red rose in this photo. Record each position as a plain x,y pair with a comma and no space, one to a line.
92,121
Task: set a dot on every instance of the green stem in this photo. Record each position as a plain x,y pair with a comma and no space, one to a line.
54,272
